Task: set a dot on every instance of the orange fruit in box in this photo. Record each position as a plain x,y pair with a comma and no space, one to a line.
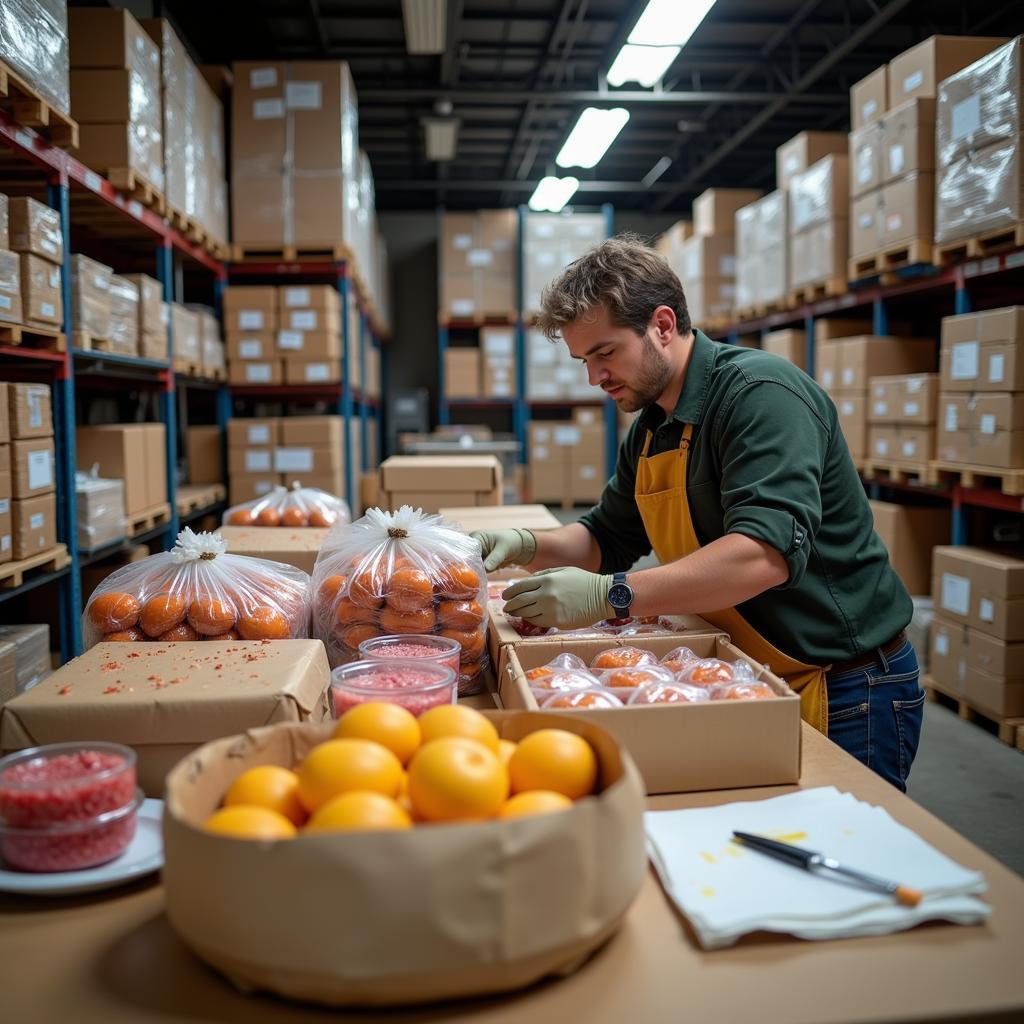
353,636
268,517
465,615
472,643
367,589
359,811
343,765
620,657
132,635
322,518
554,759
746,691
506,748
456,779
536,801
583,699
458,580
242,822
539,673
263,623
409,590
708,671
242,517
390,725
420,621
628,678
270,786
114,611
211,616
458,720
161,613
183,631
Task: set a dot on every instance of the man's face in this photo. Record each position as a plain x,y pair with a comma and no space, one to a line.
632,368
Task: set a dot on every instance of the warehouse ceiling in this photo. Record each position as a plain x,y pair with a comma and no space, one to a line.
516,74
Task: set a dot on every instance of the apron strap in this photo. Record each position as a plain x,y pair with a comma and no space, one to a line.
647,445
684,442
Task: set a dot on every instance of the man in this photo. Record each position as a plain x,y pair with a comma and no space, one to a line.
738,476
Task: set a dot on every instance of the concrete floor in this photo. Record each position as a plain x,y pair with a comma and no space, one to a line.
962,774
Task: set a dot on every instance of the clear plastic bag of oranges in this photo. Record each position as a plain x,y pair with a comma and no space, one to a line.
293,508
402,572
196,591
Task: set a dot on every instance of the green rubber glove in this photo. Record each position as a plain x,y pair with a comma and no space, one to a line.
505,547
565,598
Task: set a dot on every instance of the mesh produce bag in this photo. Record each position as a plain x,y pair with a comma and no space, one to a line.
401,572
292,508
197,592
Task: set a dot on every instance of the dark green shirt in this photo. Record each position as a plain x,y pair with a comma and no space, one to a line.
769,461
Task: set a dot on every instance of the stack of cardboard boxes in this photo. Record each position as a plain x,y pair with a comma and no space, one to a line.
211,345
551,241
90,298
478,265
154,316
977,636
981,405
909,533
135,453
567,458
901,414
10,271
107,307
552,374
186,339
271,452
28,499
488,371
433,482
35,45
670,241
789,344
762,253
35,234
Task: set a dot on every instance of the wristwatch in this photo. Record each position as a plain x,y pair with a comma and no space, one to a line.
620,595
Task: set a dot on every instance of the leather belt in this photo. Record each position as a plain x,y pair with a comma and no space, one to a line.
870,658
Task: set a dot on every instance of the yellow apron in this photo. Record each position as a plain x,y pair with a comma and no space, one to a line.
664,507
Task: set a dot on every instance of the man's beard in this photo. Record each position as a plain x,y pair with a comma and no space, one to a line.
653,376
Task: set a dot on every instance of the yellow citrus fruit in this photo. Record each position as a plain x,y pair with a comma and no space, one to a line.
506,748
458,720
554,759
390,725
341,766
534,801
456,779
242,822
359,811
270,786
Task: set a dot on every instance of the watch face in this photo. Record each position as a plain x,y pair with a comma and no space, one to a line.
620,595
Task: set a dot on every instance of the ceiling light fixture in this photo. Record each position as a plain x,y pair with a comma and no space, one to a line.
659,35
591,136
656,171
426,24
553,193
441,137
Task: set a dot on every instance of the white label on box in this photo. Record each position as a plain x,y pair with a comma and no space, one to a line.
911,408
951,419
47,309
293,460
863,173
540,452
966,117
988,423
881,446
826,378
316,372
986,610
263,487
40,470
304,320
259,434
941,644
5,506
996,367
913,81
847,375
914,385
499,343
867,109
965,361
296,297
35,522
727,266
35,410
864,220
93,181
792,163
250,319
5,542
480,257
501,389
462,242
463,307
567,436
134,207
257,462
909,449
165,314
303,95
50,247
897,160
259,373
5,302
880,408
893,222
290,339
250,349
846,408
588,472
55,278
543,230
263,78
267,110
956,593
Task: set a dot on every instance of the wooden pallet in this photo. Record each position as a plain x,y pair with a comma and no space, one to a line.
503,318
187,367
137,187
889,265
978,246
1009,481
809,293
28,107
899,472
87,342
716,323
193,497
1007,729
33,336
215,372
12,574
290,253
148,519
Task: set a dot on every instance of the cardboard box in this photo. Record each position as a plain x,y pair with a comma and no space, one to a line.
866,145
225,689
982,669
250,460
253,432
156,462
309,346
120,451
789,344
835,328
524,517
41,298
983,351
33,469
985,428
714,210
185,335
803,150
866,215
244,487
707,298
821,193
908,139
90,296
853,422
5,231
910,399
312,371
100,507
724,745
707,256
10,287
204,453
251,308
896,444
5,426
869,98
918,71
34,525
979,588
256,373
908,210
256,347
870,356
820,253
6,538
292,547
309,460
152,315
6,485
30,410
312,430
979,192
106,147
462,373
431,474
308,296
909,533
34,228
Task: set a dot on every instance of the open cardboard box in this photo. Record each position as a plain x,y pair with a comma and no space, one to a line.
298,547
680,748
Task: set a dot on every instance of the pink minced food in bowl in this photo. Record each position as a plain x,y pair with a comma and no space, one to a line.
413,647
415,685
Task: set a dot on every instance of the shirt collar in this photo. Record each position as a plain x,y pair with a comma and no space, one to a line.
692,398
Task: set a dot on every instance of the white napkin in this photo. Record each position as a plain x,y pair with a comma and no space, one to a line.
726,890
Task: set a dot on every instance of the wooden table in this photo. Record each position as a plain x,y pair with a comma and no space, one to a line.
113,958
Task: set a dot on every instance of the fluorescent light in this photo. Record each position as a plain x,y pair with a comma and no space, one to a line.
426,24
589,140
553,193
656,171
669,22
441,137
643,64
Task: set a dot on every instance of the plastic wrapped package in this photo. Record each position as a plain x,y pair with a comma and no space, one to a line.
291,508
742,690
623,657
124,315
715,672
678,659
35,228
979,192
90,296
196,591
100,505
588,700
145,124
31,652
10,286
185,335
625,681
668,693
819,194
560,663
403,572
34,42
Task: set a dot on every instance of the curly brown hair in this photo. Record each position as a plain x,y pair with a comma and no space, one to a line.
625,275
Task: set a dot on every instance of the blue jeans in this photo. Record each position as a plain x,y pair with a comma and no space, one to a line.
875,713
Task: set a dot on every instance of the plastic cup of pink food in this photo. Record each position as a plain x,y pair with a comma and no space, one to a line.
413,647
67,806
414,684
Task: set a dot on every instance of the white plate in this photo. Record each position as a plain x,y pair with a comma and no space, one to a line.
144,855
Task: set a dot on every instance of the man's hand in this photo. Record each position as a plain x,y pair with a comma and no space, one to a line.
505,547
566,598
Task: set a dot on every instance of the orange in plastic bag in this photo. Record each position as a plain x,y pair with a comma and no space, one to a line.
293,508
